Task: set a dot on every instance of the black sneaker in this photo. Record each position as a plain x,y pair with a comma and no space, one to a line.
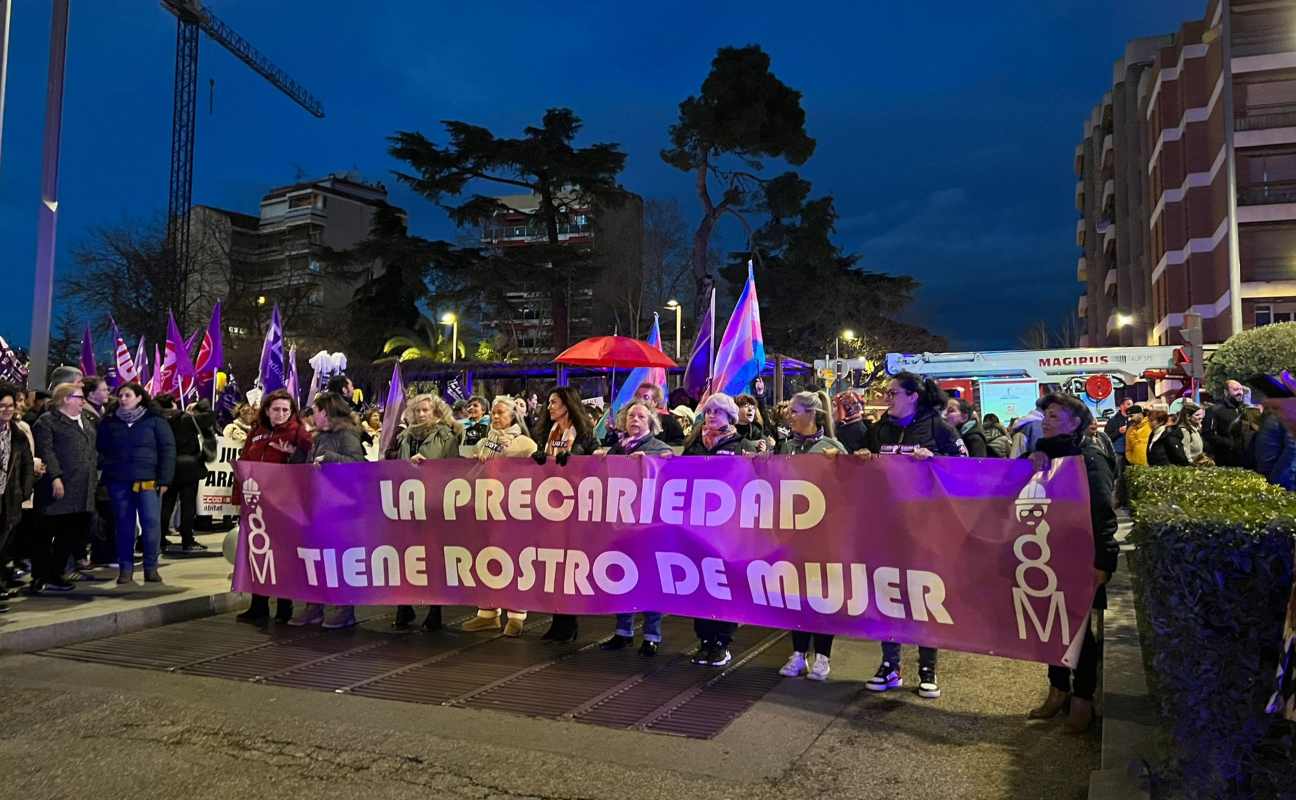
59,586
404,617
254,617
719,656
886,677
702,655
617,642
193,547
927,686
648,649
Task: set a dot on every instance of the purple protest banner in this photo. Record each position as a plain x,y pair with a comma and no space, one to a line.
980,555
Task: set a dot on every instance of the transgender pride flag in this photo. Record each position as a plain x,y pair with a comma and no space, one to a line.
740,356
640,375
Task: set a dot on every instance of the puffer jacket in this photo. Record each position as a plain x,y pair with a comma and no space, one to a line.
1136,442
338,445
144,451
926,429
474,432
974,439
441,441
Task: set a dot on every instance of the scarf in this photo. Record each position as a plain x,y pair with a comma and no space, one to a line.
6,450
967,426
560,441
712,436
803,442
497,441
629,443
132,416
1058,446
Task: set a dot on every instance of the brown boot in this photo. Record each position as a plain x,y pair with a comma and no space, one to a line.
1054,703
1081,717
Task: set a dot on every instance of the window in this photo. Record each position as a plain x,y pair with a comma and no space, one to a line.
235,330
1273,312
301,201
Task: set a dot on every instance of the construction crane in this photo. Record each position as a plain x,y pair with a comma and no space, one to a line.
191,18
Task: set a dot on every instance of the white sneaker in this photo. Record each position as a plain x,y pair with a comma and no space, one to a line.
795,666
820,670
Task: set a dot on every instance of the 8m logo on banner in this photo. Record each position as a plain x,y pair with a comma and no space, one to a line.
260,556
1032,508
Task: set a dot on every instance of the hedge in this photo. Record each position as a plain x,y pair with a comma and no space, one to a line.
1268,349
1212,573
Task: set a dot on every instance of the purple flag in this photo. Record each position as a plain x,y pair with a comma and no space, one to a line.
740,356
210,355
88,365
641,375
767,541
394,408
273,375
698,371
177,370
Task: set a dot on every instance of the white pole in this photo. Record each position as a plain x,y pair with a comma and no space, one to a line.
47,220
4,58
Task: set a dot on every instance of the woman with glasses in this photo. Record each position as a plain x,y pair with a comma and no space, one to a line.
812,433
17,470
65,441
912,426
137,454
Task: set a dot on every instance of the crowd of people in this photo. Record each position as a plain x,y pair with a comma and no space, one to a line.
90,477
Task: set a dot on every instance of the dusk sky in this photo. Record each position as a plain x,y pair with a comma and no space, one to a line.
945,130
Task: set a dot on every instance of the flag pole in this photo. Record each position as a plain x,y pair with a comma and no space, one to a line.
711,346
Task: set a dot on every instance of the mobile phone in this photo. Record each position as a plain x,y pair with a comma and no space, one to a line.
1268,387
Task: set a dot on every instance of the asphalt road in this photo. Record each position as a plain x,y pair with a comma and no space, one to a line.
71,729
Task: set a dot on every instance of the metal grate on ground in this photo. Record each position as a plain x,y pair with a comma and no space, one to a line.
569,681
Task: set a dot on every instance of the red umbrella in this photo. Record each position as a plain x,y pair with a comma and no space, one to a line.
614,351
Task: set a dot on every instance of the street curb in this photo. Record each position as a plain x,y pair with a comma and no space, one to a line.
1129,721
72,631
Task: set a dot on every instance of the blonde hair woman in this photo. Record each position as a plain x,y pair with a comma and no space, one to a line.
505,439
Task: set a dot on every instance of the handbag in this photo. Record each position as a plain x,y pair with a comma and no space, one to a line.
208,442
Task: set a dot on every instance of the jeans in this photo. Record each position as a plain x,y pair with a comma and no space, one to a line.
822,643
187,495
59,537
1083,680
891,655
128,505
714,631
652,625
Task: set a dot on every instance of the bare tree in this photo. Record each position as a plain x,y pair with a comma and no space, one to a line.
666,253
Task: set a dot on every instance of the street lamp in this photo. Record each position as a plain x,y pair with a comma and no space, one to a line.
453,321
1123,320
847,335
677,308
261,300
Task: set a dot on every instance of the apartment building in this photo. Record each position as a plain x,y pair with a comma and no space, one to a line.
1187,181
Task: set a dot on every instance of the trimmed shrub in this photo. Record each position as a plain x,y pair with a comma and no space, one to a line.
1213,571
1268,349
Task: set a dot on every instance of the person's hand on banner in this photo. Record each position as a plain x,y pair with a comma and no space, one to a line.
762,446
539,457
162,490
922,454
417,459
1040,462
864,454
562,457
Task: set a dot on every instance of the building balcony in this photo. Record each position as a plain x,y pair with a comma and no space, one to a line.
1079,159
1278,268
1109,281
1258,118
1082,270
1108,152
1109,193
1080,232
1264,194
1109,239
1079,196
1082,308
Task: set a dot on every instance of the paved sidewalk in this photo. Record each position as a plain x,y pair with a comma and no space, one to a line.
191,587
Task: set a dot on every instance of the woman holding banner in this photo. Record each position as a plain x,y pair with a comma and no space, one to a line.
505,439
278,438
337,441
717,435
566,430
137,454
640,424
1066,419
913,426
431,433
812,433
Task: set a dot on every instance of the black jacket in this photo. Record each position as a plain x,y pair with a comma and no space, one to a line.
926,429
1166,448
21,479
1106,555
68,450
731,445
1221,435
853,435
974,439
672,431
191,434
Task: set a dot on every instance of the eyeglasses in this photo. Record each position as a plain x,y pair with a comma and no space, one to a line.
895,392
